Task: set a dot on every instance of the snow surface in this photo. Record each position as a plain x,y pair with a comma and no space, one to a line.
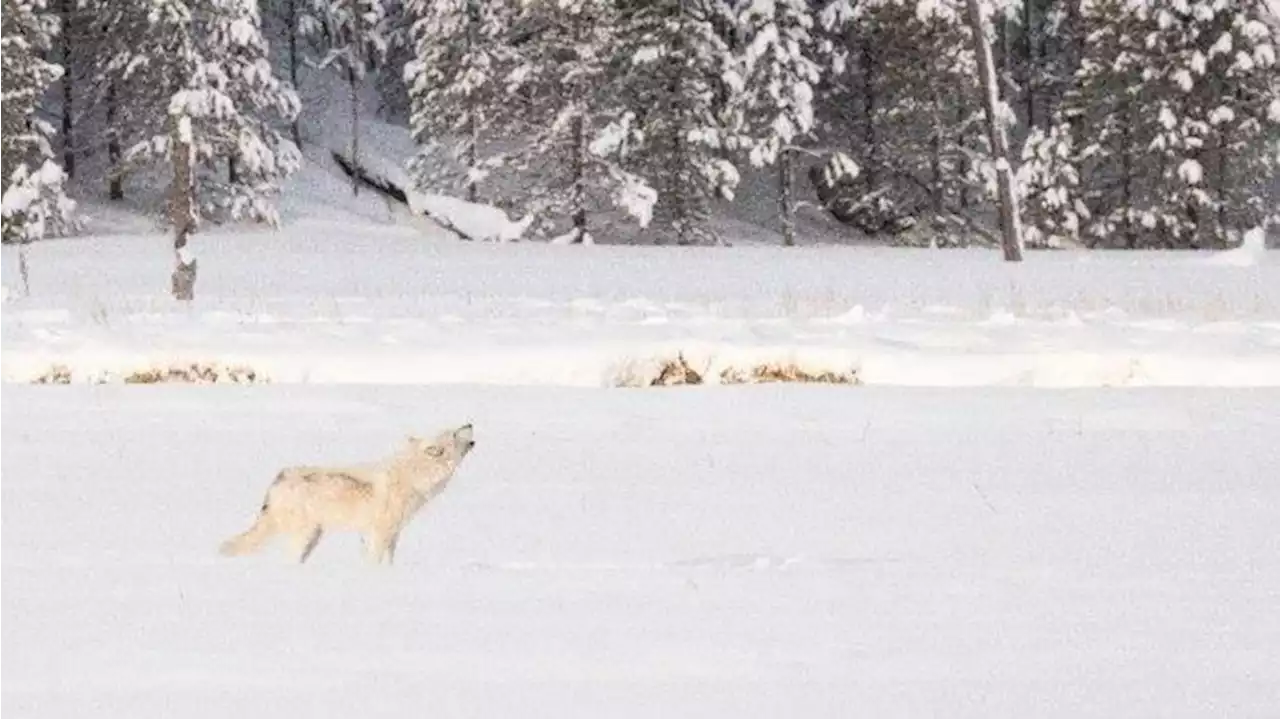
334,302
476,221
739,552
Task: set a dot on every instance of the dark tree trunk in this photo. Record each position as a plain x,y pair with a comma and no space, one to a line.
68,105
580,178
935,129
786,204
115,186
355,124
868,110
1029,62
293,65
355,60
1126,186
473,107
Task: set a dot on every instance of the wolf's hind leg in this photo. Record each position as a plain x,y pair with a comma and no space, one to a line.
305,541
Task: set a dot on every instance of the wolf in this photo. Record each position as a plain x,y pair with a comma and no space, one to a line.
377,499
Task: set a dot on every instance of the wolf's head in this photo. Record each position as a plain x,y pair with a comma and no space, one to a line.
450,446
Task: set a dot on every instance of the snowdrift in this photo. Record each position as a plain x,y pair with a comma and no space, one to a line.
347,303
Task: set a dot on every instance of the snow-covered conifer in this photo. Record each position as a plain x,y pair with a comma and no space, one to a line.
677,69
780,74
34,203
1049,182
217,80
1179,151
901,100
457,88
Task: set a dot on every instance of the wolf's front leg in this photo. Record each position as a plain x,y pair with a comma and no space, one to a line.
391,548
379,547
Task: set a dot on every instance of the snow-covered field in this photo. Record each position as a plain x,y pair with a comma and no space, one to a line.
332,302
695,552
950,539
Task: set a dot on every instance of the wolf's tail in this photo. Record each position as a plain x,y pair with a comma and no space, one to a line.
251,540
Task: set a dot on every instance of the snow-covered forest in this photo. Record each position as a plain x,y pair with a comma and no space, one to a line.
1130,123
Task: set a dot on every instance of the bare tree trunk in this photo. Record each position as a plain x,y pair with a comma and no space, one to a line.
1126,187
1010,226
580,176
683,210
786,204
183,214
473,105
473,133
581,134
870,172
935,130
1028,80
962,111
115,186
24,270
355,126
353,78
1222,219
233,173
68,136
293,65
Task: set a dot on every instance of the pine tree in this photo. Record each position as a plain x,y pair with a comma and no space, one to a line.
1107,108
211,71
1049,180
675,59
562,61
905,106
1182,147
206,61
456,90
115,91
780,74
1220,118
259,157
34,203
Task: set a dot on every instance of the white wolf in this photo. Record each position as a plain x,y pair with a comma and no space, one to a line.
377,500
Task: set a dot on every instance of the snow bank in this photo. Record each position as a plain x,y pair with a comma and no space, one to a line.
346,304
472,220
1252,250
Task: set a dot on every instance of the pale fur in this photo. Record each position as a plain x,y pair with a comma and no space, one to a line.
377,500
